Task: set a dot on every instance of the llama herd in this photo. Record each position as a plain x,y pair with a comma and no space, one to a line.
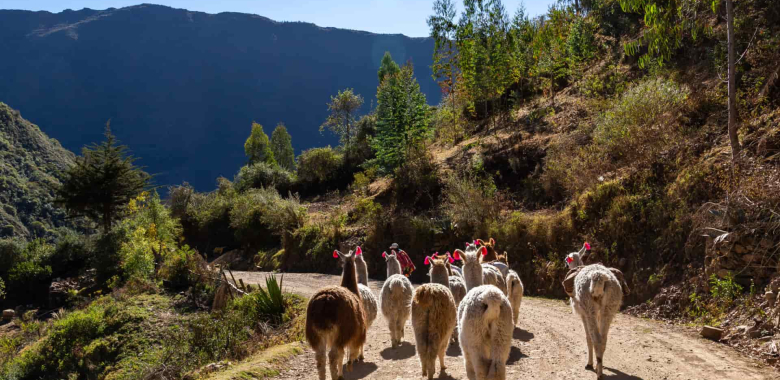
476,306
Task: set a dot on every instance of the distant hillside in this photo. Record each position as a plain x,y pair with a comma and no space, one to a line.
30,162
182,88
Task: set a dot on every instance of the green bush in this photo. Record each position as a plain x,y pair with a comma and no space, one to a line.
417,183
634,125
106,256
2,289
71,255
264,175
319,165
258,214
183,268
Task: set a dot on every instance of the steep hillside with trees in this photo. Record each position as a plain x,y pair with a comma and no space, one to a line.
182,88
31,165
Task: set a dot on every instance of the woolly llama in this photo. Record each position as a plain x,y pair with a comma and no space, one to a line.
370,304
433,319
485,329
597,298
475,273
335,319
440,273
395,299
514,290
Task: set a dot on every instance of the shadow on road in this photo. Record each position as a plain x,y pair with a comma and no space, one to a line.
361,370
515,355
404,351
522,335
443,375
453,349
617,375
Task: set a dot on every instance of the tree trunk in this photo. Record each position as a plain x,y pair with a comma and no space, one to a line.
732,104
106,221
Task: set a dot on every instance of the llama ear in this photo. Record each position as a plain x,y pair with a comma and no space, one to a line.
457,254
358,251
427,260
449,256
484,251
479,241
384,255
569,259
492,242
587,246
336,254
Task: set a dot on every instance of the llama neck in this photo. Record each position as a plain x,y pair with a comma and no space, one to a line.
349,277
362,272
393,267
439,275
472,273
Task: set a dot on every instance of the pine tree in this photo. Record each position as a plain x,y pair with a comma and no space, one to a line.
445,56
402,118
387,67
343,109
257,146
281,146
102,182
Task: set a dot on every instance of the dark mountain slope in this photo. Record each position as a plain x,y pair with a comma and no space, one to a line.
30,163
182,88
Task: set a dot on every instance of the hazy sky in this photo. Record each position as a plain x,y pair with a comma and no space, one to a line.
389,16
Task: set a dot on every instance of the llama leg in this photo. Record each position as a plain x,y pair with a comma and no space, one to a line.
354,352
590,343
399,327
470,374
481,367
605,322
424,364
335,361
442,352
322,360
597,340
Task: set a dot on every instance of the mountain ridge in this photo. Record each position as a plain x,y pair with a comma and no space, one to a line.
183,87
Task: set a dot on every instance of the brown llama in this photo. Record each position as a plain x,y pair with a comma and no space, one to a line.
335,319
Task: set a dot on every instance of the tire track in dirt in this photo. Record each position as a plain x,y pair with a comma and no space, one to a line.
548,344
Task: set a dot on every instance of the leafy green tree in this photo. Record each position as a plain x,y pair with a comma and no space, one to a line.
343,109
387,67
445,57
402,118
257,146
281,146
102,182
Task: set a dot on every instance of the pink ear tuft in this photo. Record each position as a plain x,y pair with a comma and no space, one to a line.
450,257
358,251
484,251
427,260
479,241
569,259
475,242
587,246
336,254
456,255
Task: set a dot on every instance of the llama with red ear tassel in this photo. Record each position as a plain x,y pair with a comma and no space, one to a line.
396,298
440,274
433,316
476,273
370,304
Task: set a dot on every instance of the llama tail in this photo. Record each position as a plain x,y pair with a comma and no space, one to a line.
492,308
597,285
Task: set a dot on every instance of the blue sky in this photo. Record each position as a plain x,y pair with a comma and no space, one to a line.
388,16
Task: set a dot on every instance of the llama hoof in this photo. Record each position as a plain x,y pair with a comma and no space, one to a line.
349,367
589,367
361,358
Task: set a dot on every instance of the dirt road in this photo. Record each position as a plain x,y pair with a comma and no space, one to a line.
549,343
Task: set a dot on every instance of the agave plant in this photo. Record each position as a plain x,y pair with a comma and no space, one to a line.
270,301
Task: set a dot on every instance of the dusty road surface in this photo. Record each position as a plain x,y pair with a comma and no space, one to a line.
549,343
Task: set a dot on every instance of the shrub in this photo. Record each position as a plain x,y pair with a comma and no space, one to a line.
319,165
417,184
363,180
259,213
71,255
634,125
2,289
264,175
470,203
183,268
106,256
